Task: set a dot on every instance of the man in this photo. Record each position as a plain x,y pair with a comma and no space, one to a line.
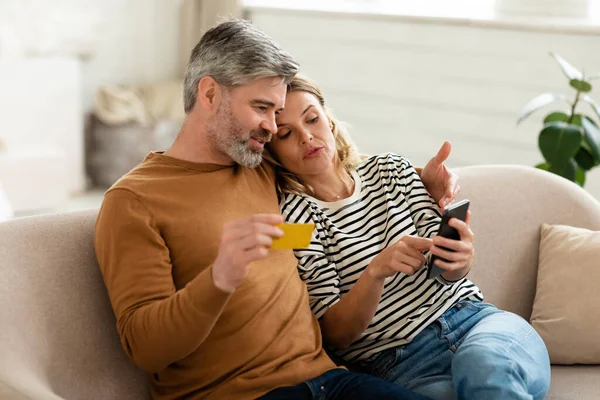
182,240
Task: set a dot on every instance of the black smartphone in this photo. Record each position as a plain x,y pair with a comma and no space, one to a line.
459,211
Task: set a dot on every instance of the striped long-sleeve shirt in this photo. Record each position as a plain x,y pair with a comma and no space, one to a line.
388,202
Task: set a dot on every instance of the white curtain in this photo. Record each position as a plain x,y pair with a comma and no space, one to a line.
196,17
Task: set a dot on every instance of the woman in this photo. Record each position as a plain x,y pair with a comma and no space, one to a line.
366,274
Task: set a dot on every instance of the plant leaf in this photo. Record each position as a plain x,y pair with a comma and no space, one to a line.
570,71
561,116
582,86
569,170
559,142
585,159
591,102
592,136
580,177
556,116
586,147
576,120
538,102
544,166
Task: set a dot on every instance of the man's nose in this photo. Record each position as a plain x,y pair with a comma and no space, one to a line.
269,125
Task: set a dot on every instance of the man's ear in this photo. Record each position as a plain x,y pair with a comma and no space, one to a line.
209,93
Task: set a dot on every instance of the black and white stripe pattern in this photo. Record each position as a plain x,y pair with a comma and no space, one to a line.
389,202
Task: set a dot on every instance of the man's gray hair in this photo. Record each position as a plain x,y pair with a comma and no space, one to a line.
235,52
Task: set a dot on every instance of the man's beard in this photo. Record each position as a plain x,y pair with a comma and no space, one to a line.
227,135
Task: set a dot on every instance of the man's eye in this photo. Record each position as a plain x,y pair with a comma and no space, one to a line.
262,108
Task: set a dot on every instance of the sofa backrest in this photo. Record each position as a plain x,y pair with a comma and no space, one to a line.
509,204
57,329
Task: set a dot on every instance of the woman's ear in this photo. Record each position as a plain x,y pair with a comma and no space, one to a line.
209,93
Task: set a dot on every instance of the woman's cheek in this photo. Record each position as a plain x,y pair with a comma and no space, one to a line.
287,159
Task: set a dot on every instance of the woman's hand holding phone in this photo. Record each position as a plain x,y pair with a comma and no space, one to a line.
457,255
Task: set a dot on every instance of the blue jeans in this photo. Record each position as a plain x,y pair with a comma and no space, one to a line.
342,384
473,351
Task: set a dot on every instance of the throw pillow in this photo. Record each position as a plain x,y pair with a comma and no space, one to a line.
566,309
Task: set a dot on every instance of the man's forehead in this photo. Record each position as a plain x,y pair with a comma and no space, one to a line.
265,89
274,83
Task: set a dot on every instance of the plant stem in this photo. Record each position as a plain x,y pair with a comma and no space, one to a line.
574,105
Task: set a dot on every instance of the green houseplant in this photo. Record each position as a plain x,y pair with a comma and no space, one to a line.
569,140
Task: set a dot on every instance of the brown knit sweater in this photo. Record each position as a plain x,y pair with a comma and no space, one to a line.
157,234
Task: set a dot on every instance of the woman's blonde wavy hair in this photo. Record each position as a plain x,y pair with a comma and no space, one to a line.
347,154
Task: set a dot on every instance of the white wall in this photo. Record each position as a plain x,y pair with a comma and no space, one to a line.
41,124
405,85
138,44
53,56
127,41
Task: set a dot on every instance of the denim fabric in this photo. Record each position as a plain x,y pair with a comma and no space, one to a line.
473,351
342,384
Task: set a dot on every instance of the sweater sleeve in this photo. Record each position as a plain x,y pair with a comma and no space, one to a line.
158,325
315,268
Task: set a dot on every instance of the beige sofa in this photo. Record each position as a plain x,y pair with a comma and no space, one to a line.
57,330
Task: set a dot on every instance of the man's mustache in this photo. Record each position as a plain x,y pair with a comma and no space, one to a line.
261,134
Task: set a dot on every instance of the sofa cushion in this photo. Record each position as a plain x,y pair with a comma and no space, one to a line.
566,308
574,382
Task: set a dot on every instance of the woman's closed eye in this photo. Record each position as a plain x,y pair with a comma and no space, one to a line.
284,134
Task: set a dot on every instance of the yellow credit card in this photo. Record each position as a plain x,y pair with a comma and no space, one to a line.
295,236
